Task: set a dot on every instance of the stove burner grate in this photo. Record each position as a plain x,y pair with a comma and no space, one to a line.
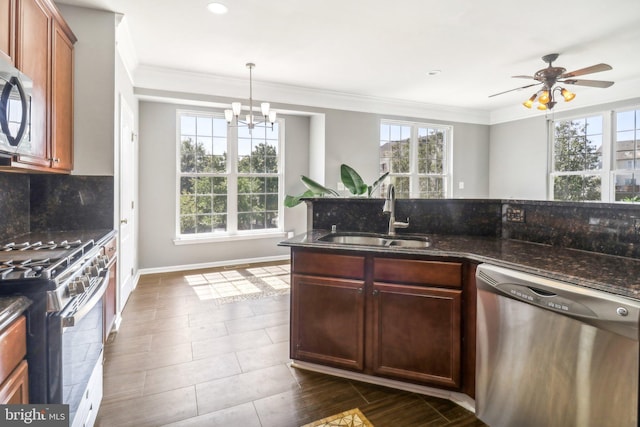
24,246
23,269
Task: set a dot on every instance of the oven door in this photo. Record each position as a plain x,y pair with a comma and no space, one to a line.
82,343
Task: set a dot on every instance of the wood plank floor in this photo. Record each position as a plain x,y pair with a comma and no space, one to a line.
210,348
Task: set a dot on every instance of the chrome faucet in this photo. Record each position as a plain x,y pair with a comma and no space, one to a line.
390,208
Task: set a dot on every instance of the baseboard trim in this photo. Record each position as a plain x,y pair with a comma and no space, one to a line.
227,263
459,398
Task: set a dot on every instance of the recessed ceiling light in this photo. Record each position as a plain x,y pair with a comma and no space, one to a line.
217,8
434,72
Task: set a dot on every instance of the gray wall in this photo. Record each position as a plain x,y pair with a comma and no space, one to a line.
94,89
518,160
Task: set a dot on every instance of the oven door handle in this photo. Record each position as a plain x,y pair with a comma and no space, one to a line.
73,318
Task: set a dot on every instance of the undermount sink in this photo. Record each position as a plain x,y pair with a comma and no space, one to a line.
364,239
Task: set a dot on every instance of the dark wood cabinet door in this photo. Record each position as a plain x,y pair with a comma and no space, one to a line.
327,321
33,59
61,101
7,29
15,389
417,333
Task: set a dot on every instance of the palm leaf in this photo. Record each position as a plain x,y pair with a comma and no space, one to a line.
375,185
352,180
317,189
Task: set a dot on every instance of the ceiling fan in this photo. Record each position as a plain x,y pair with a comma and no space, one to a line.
548,77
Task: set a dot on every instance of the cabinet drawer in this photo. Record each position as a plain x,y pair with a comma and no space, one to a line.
322,264
418,272
13,345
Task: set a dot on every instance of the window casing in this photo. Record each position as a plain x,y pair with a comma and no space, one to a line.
229,180
596,158
417,157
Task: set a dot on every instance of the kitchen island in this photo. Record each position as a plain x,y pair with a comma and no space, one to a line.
401,316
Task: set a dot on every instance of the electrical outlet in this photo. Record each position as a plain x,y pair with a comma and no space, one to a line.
341,186
461,185
515,215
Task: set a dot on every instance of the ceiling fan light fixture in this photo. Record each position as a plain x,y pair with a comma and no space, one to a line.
544,97
567,95
529,102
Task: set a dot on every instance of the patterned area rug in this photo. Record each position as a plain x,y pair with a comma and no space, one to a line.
351,418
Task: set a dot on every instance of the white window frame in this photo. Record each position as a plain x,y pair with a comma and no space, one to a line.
413,175
609,168
232,232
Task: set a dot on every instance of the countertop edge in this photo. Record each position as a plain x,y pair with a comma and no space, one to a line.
13,309
531,265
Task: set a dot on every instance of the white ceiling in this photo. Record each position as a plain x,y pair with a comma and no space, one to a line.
384,49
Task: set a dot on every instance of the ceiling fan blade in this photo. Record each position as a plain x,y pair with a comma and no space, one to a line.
593,69
590,83
511,90
523,77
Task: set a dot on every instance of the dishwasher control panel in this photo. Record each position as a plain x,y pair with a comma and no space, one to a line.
546,299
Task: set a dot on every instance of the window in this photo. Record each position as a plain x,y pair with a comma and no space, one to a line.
627,156
597,159
416,155
577,159
229,180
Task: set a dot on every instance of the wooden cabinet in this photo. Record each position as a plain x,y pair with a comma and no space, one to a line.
14,378
61,100
43,52
7,29
33,58
385,316
416,321
328,314
109,305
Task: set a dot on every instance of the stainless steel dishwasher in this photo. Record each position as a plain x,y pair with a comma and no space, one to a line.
554,354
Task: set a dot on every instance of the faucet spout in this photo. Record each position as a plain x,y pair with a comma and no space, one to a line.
390,208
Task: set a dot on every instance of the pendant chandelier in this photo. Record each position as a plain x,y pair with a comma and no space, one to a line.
251,120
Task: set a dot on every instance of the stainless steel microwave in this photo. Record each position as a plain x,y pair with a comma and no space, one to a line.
15,109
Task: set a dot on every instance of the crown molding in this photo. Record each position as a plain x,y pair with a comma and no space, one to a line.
165,79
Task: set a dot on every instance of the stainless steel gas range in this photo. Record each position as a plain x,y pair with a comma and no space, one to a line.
65,275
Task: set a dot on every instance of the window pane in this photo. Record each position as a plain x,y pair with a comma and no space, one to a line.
627,147
403,188
574,149
627,188
431,187
577,188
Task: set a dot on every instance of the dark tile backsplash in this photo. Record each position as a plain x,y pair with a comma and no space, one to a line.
14,205
54,203
612,229
448,216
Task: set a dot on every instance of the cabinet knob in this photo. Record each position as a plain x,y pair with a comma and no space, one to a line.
360,290
375,292
56,160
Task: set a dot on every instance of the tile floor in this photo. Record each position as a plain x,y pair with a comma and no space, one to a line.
210,348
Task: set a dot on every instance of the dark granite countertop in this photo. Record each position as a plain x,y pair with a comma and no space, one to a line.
11,308
613,274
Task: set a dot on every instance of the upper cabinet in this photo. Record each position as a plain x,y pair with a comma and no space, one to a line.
7,29
44,52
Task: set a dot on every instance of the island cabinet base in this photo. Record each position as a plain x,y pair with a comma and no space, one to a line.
404,318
